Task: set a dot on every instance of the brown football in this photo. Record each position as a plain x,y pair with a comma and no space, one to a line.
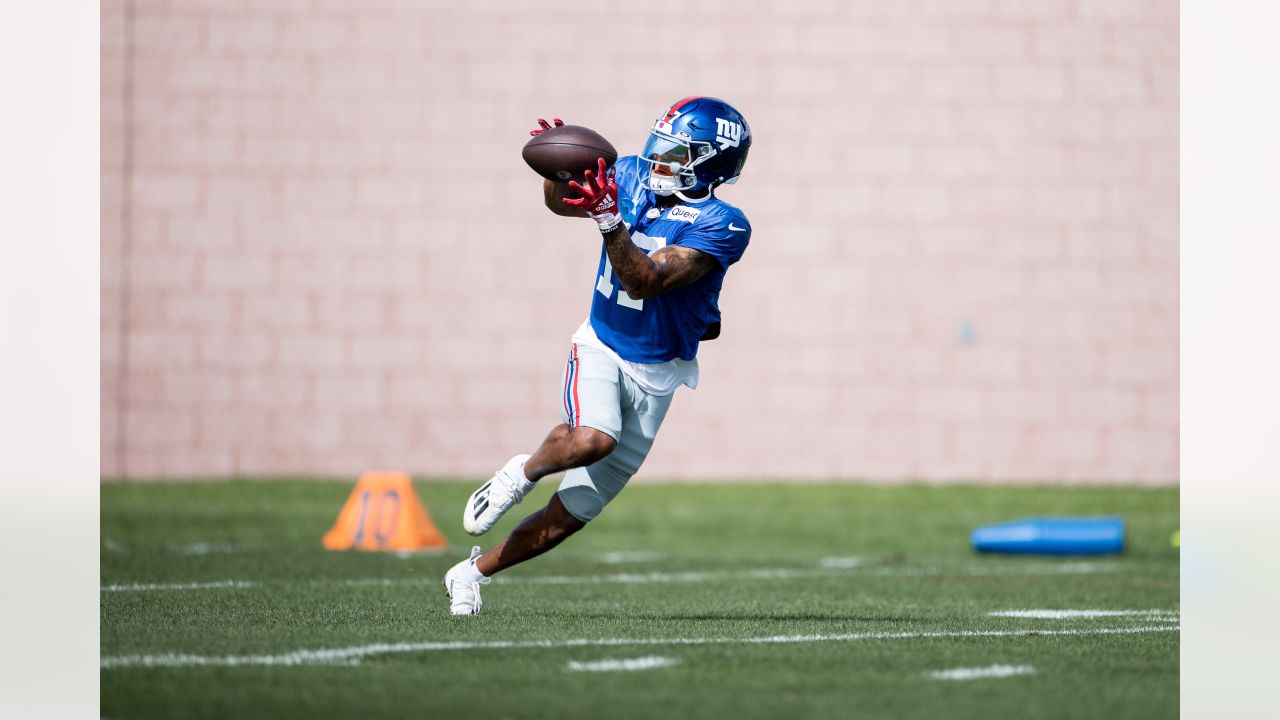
561,154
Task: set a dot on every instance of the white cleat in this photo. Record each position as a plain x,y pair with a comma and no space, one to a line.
464,595
494,498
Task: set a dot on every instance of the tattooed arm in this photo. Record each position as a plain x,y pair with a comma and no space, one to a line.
644,276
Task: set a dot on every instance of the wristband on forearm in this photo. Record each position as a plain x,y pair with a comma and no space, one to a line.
608,222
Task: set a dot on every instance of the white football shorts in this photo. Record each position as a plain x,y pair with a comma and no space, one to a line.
598,394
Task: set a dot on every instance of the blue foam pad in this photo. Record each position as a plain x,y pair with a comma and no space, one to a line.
1052,536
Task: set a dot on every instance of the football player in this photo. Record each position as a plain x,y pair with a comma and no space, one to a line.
667,243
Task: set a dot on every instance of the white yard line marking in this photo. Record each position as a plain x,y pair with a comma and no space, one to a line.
691,576
1078,566
840,562
1073,614
221,585
794,573
414,554
623,578
346,655
204,548
994,671
627,665
617,558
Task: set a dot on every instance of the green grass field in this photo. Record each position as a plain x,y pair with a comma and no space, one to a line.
793,600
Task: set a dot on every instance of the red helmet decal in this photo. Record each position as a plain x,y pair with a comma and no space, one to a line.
675,108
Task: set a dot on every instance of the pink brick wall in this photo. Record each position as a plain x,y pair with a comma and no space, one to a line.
322,253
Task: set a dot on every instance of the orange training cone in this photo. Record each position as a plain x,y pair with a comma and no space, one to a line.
384,513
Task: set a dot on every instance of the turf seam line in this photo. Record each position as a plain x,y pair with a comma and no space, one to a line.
347,655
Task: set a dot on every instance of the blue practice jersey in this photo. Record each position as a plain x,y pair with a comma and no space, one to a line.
669,325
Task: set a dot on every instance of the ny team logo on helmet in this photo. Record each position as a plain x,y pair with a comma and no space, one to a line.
697,144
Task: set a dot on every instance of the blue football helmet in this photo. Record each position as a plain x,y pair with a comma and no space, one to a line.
697,144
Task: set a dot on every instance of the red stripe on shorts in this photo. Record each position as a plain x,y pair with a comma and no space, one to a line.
577,408
564,394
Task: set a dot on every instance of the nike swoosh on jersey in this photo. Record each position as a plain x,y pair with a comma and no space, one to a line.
731,227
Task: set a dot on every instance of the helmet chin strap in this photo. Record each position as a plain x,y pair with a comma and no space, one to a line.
677,191
688,199
662,188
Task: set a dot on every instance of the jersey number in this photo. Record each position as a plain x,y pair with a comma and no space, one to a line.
604,284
